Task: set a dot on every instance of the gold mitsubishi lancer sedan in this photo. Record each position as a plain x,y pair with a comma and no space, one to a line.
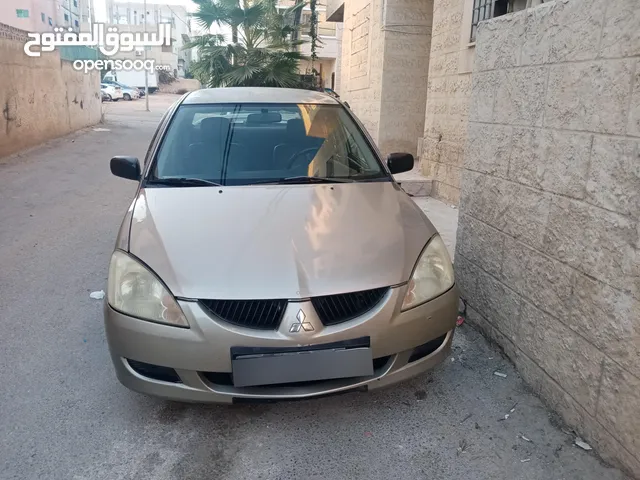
269,254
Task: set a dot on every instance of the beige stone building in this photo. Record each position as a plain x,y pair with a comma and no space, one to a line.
405,68
527,116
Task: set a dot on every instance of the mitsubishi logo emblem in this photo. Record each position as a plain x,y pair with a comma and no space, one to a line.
301,324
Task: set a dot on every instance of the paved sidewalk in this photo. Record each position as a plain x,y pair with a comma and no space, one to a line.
444,217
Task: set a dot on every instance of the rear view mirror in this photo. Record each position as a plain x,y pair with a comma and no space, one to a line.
125,167
399,162
264,117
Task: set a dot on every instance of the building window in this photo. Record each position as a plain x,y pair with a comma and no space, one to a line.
20,13
75,22
42,16
484,10
66,17
51,21
75,3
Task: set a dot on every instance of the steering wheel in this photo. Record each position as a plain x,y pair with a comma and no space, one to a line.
307,151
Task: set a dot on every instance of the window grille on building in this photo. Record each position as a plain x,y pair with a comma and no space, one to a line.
486,9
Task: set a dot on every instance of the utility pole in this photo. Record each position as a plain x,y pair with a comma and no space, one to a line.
146,72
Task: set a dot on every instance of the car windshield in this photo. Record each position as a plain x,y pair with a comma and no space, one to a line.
245,144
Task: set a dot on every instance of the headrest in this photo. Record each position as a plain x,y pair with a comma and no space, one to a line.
215,126
295,128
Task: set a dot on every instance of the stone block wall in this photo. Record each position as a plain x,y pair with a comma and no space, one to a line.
406,45
548,246
448,96
384,62
41,97
361,61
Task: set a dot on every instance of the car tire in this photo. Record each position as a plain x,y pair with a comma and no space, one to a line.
109,98
127,97
116,99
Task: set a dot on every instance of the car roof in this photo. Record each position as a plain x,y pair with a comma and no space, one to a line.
258,95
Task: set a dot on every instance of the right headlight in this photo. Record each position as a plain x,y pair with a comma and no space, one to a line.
432,276
134,290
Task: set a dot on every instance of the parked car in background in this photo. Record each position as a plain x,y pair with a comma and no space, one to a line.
113,92
272,256
128,93
133,78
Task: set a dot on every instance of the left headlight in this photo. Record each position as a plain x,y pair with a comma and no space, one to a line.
134,290
432,276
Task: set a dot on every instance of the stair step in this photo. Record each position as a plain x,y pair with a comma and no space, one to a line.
414,183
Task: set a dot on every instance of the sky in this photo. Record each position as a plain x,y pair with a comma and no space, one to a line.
101,10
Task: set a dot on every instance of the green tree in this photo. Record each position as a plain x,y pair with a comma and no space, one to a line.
263,50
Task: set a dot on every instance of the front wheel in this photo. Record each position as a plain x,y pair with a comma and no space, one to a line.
127,97
116,99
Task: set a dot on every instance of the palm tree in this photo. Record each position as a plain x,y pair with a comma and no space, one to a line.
263,49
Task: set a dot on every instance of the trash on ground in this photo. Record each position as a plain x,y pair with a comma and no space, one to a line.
582,444
101,129
99,295
500,374
513,409
465,419
525,438
368,434
525,460
462,446
459,321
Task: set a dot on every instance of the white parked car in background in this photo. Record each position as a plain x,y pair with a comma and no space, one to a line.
111,92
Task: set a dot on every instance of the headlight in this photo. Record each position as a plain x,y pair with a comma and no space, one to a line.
134,290
432,276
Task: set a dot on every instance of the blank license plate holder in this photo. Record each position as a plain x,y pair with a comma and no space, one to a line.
256,366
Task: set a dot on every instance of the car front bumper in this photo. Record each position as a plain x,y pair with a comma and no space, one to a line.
403,344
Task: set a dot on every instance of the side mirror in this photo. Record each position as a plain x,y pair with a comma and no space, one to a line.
399,162
126,167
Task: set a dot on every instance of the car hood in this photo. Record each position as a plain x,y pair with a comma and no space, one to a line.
278,241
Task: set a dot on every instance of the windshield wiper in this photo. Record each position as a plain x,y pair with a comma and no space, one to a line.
183,182
304,179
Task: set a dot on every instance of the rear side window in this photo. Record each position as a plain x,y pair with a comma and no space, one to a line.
241,144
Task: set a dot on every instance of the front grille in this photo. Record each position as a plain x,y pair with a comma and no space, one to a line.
257,314
334,309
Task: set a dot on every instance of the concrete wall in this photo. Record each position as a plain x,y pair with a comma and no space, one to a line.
41,98
448,96
384,65
548,247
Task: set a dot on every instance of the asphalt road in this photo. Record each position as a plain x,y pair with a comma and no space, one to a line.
63,415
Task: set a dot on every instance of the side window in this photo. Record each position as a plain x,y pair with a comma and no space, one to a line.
147,157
